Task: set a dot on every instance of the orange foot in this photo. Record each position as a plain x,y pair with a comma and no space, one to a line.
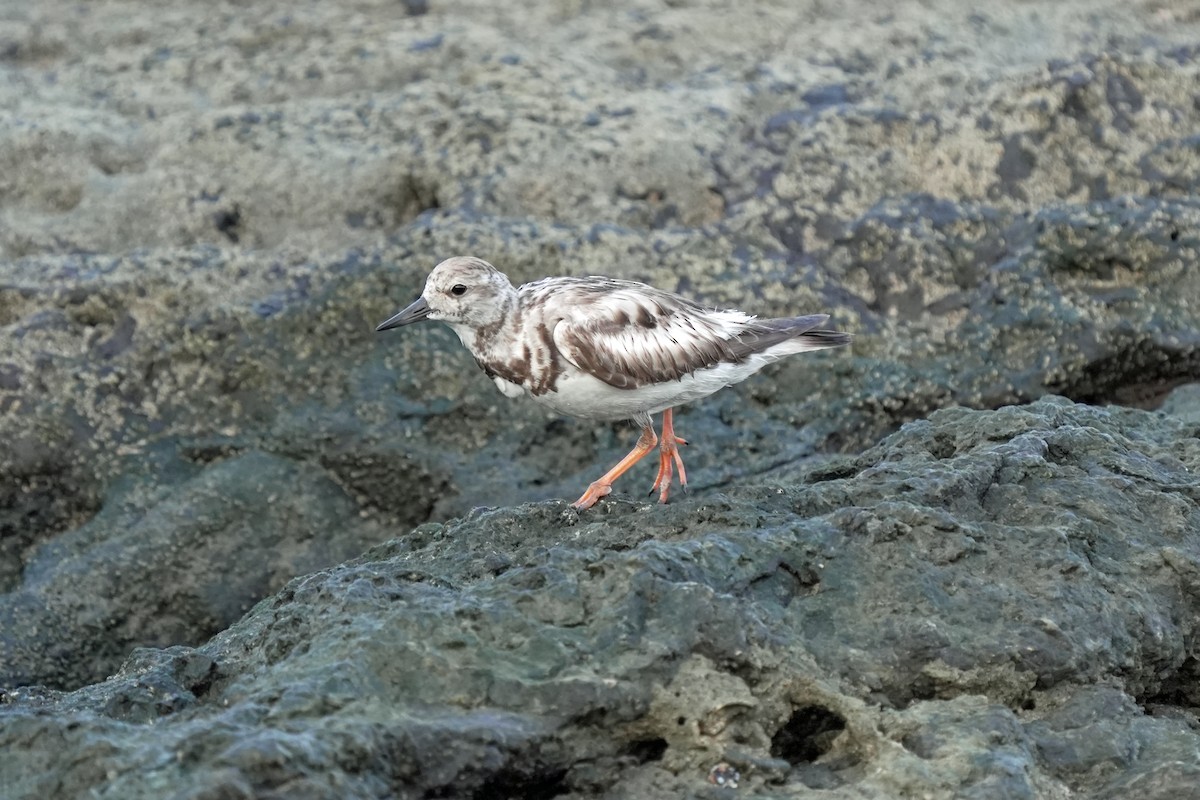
594,492
603,486
668,454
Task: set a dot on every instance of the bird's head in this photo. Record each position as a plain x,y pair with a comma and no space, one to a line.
462,291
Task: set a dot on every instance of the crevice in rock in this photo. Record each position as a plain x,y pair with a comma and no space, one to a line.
808,734
513,785
1139,376
1180,689
644,750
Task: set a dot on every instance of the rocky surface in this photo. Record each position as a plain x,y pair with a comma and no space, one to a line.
900,571
985,604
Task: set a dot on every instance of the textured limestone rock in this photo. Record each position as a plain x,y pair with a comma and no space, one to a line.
883,583
986,603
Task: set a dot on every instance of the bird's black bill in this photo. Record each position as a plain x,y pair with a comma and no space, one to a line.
418,311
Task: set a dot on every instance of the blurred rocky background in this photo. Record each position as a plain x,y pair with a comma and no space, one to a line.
249,548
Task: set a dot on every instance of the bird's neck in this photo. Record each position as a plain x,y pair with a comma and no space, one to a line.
486,340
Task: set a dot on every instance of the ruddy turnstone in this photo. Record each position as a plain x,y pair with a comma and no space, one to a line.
606,349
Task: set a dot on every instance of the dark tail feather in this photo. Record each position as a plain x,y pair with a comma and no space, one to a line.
803,331
822,338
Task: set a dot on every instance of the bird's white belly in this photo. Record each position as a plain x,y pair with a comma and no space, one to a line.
580,395
509,389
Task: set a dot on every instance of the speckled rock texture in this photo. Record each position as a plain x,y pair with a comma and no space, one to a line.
985,604
250,548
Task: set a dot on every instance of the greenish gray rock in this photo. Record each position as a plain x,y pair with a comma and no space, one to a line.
984,604
178,565
250,548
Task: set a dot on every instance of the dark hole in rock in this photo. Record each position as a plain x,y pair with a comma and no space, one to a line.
832,472
1180,688
644,750
229,222
807,734
1139,375
513,785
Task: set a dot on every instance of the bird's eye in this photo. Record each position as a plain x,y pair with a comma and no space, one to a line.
458,290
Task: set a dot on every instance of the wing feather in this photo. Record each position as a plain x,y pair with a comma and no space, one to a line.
630,335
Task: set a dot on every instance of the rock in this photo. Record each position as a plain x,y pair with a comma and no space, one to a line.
952,614
200,555
1184,403
902,569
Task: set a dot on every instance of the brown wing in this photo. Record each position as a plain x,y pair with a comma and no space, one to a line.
628,337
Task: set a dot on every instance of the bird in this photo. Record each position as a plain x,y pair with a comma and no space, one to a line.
606,349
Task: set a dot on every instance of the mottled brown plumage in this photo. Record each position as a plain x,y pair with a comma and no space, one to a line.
602,348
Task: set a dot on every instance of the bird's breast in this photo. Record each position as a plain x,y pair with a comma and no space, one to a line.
520,359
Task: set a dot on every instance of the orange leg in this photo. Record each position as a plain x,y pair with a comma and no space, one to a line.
598,489
668,453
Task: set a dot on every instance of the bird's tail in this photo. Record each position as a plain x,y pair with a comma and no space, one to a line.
786,336
804,334
821,339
